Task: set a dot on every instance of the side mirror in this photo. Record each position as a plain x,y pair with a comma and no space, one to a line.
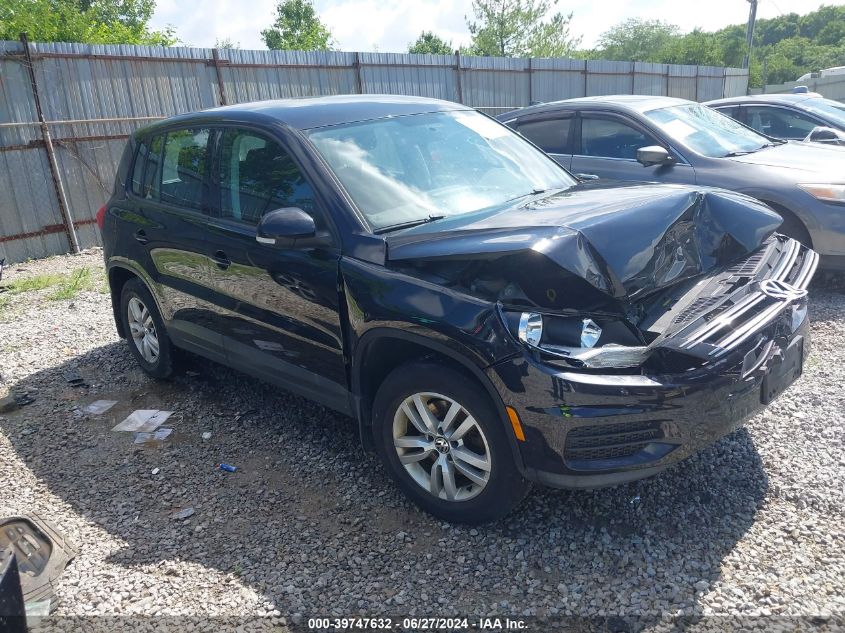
822,134
654,155
290,227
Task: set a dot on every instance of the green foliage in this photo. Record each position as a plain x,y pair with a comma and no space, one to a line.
297,28
785,47
637,40
430,43
226,42
88,21
520,28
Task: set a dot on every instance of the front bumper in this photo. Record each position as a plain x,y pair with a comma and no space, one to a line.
588,430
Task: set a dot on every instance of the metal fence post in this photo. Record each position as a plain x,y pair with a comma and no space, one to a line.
215,54
61,198
585,78
530,81
458,81
357,65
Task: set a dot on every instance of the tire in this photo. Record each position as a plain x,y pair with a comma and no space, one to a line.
145,330
465,473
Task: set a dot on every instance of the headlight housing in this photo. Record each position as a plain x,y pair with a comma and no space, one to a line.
582,342
828,193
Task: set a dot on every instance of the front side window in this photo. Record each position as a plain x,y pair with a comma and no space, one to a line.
257,176
550,135
184,168
610,138
409,168
706,131
779,122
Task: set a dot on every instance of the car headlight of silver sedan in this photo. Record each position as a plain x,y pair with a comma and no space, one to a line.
828,193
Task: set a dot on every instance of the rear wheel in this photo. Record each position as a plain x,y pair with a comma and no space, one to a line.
445,444
145,331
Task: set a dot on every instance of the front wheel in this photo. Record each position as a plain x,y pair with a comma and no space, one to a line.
445,444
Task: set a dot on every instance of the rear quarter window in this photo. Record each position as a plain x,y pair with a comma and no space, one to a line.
146,169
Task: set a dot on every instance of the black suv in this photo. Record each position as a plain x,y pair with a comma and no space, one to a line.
487,319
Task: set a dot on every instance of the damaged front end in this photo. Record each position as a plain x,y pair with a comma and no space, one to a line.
646,332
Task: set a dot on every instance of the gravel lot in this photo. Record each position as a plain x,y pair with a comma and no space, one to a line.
310,525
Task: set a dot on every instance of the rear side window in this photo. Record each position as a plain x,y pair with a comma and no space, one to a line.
550,135
184,168
611,139
257,176
146,178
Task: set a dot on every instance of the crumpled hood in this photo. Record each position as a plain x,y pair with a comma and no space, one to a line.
825,163
625,240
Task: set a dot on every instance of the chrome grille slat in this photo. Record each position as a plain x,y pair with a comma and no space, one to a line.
755,310
787,260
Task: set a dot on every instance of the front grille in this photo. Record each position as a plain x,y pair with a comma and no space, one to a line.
610,441
750,309
695,308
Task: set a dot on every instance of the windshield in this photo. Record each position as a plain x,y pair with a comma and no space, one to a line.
706,131
831,110
425,166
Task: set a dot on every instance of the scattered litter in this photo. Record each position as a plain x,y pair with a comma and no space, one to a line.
192,373
99,407
184,513
15,401
228,468
635,500
155,436
2,263
74,378
155,471
143,421
207,435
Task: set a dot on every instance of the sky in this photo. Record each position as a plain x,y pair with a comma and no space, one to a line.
390,25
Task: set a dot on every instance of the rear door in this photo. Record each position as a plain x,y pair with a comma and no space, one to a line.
166,227
550,132
607,144
279,307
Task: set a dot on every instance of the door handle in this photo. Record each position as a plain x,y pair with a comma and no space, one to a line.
587,176
220,260
141,236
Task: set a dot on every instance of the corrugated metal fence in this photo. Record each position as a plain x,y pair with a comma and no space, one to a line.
79,102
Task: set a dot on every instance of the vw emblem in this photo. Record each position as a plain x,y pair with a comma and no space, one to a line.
441,444
781,290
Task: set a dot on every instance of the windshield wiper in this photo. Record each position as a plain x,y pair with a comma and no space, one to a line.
409,224
751,151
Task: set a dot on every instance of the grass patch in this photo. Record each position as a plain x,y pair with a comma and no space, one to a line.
37,282
69,287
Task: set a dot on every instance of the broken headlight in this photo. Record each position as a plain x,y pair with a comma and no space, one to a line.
583,342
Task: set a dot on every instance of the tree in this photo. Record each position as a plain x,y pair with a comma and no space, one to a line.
226,42
520,28
430,43
88,21
297,28
637,41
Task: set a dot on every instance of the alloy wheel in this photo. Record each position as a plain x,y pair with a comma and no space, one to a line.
143,330
441,446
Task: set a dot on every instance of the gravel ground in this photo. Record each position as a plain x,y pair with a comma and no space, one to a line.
310,525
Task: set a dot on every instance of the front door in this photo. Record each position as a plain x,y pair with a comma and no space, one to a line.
607,148
279,307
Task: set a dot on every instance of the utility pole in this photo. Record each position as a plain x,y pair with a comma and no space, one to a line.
749,33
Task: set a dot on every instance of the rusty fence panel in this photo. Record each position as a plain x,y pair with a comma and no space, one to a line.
92,97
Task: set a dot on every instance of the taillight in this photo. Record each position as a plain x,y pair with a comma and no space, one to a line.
101,217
